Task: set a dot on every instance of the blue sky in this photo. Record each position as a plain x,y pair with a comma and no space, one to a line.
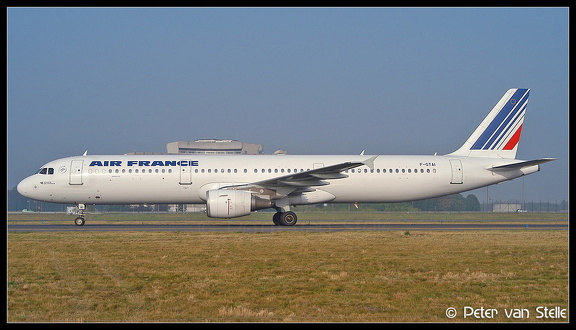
310,81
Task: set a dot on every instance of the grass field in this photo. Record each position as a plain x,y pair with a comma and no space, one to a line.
284,276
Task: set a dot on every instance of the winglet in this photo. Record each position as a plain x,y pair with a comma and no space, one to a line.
85,153
370,162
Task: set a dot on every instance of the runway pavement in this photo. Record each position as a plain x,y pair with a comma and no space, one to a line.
271,228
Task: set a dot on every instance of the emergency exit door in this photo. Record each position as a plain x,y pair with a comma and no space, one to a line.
185,172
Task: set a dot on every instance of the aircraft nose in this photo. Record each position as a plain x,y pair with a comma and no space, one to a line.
24,187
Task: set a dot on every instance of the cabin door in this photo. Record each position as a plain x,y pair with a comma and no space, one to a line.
76,172
456,171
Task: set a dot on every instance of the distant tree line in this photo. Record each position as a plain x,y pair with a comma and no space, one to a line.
455,202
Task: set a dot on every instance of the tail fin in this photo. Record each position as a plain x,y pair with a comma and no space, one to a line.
499,133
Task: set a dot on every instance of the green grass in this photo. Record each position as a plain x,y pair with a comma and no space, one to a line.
282,276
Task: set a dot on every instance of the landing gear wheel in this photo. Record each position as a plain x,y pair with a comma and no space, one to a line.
287,218
276,219
79,221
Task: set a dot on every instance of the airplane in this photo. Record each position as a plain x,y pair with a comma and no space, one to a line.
236,185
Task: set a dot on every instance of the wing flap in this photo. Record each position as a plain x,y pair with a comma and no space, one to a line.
303,183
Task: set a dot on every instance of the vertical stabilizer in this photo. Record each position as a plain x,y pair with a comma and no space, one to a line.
499,133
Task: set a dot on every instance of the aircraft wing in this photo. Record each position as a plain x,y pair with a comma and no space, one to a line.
519,165
303,181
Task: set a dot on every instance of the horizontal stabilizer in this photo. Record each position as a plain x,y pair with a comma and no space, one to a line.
520,165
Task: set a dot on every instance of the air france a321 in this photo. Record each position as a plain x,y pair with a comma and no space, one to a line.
236,185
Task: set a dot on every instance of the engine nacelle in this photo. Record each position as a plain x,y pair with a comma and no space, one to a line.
233,203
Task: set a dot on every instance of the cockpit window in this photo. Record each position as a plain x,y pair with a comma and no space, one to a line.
46,170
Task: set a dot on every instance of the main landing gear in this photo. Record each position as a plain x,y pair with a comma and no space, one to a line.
79,221
281,218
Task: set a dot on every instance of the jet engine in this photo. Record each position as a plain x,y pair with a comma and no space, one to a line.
221,203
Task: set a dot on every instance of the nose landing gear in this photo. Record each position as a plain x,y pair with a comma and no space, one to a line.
79,221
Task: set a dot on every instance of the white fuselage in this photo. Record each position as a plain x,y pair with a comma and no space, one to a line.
234,186
156,179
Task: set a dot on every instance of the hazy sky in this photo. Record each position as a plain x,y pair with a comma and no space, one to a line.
310,81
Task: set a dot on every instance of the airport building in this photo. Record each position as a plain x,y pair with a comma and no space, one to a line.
507,207
214,147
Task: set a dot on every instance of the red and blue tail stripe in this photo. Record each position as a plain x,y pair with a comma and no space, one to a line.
503,133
